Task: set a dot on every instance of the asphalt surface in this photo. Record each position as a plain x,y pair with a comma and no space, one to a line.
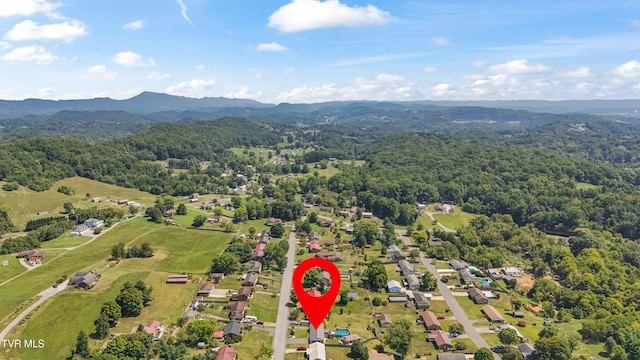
282,321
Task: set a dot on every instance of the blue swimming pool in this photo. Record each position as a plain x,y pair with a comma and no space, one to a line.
342,333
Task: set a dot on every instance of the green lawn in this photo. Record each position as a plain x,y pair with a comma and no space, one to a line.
65,241
455,220
14,268
264,307
249,347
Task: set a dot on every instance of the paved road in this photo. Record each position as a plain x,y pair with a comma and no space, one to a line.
282,321
44,295
448,296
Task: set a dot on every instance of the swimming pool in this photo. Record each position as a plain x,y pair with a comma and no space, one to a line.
342,332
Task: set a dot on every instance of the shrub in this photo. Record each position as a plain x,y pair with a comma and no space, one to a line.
376,301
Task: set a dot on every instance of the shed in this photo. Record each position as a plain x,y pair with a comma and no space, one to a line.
384,320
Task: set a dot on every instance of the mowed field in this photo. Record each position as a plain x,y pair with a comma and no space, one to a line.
25,204
177,250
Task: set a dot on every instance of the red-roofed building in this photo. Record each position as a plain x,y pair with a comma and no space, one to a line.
226,353
218,335
441,340
177,279
315,293
314,246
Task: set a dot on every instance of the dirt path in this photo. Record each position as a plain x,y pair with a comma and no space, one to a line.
444,228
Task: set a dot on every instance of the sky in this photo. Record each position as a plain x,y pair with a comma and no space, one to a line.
302,51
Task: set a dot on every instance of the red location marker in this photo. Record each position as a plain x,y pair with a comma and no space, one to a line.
316,307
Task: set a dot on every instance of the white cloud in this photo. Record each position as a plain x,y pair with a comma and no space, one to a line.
289,69
243,93
25,7
630,69
46,92
440,41
130,59
34,53
301,15
389,78
4,45
518,67
201,67
97,69
183,11
635,23
430,69
272,46
30,30
443,89
135,25
154,75
190,87
581,72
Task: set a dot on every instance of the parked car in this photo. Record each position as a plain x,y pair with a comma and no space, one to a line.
440,317
301,348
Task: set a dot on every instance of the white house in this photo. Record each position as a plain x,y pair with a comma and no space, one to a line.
316,351
394,286
93,223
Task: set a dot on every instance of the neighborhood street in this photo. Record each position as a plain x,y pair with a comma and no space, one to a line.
456,310
44,295
282,321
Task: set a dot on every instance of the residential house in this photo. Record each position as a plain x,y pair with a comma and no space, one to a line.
344,213
496,274
264,237
84,279
316,351
421,300
375,355
348,228
395,251
331,256
177,279
314,236
79,229
352,296
208,205
218,335
527,351
250,280
325,277
394,287
512,271
430,321
243,294
325,222
236,310
440,340
153,328
467,277
272,221
226,353
384,320
450,357
216,277
316,335
477,296
122,201
397,299
349,339
405,267
93,223
169,212
518,314
327,242
492,314
457,264
412,282
367,215
205,290
258,252
314,293
253,267
314,246
232,328
328,209
34,256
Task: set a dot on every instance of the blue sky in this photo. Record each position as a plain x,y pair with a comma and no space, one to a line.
312,50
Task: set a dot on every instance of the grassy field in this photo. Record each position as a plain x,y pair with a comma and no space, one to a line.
249,347
264,307
65,241
14,268
455,220
25,203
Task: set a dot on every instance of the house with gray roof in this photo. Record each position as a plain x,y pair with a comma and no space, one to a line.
84,279
467,277
412,282
405,267
316,335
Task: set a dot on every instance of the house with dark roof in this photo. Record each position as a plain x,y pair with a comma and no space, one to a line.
316,335
331,256
177,279
421,300
243,294
450,357
236,310
440,340
412,282
253,266
405,267
84,279
349,339
216,277
466,277
492,314
226,353
457,264
430,321
384,320
395,251
250,280
477,296
527,351
232,328
205,290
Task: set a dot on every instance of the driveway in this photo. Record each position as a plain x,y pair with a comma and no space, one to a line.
282,321
44,295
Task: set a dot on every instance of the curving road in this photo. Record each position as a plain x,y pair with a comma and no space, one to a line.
282,321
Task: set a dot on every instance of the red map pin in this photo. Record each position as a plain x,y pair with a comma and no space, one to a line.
316,307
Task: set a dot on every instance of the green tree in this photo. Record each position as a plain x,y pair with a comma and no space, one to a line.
344,297
82,345
228,226
398,337
366,230
225,263
131,301
199,220
553,348
154,214
375,276
118,251
508,336
311,278
68,207
312,217
359,351
293,297
102,326
456,327
181,210
428,282
197,331
277,230
483,354
240,215
171,352
241,249
112,311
